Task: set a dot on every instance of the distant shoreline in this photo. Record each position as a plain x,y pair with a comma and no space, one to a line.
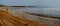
21,6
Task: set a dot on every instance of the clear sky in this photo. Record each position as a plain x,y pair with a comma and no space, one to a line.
41,3
19,2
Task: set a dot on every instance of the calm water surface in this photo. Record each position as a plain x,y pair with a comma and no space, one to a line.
47,11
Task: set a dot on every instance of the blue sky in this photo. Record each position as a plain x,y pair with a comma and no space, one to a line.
41,3
19,2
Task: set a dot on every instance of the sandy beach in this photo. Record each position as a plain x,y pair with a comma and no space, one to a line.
15,18
6,19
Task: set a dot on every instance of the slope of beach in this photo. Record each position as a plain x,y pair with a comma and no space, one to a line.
7,19
15,16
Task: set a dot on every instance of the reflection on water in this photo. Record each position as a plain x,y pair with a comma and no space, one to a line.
48,11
